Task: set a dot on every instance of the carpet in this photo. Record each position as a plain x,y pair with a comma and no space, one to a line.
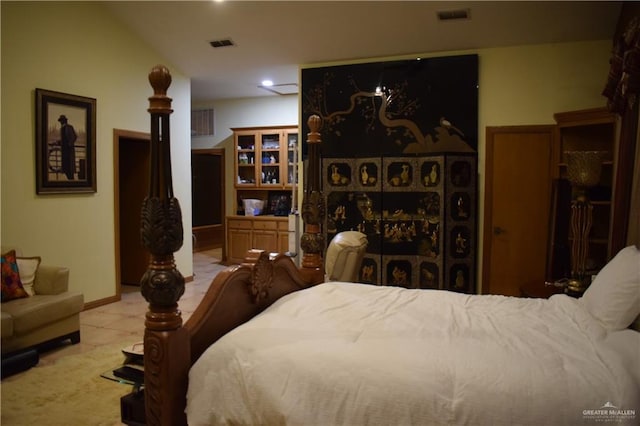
68,392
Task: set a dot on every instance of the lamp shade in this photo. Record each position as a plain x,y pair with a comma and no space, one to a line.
584,167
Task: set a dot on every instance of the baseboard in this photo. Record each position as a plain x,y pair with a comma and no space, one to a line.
101,302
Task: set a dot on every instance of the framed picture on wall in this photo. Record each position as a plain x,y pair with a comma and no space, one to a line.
65,143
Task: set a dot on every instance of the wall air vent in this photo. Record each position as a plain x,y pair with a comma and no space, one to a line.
202,122
453,15
223,42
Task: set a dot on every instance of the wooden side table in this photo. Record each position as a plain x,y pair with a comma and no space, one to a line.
537,289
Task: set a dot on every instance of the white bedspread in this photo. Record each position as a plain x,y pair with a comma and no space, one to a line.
350,354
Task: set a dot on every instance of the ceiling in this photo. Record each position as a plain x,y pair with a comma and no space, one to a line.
273,38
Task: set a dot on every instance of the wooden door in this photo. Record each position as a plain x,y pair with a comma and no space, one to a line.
517,207
208,199
133,158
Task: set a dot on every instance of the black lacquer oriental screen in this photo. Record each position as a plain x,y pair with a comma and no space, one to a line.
399,163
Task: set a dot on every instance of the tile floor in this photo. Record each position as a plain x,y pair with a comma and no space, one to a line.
123,321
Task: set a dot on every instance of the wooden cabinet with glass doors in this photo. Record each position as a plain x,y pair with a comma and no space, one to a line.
265,157
594,131
266,169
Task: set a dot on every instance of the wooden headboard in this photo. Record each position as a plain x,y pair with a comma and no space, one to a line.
235,295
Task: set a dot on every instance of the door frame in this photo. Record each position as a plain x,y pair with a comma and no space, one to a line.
487,231
118,135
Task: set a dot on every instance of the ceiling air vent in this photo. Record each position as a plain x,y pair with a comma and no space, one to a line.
224,42
452,15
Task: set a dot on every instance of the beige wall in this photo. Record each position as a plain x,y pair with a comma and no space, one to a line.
76,48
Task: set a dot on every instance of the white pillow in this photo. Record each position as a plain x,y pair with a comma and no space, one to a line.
614,295
27,268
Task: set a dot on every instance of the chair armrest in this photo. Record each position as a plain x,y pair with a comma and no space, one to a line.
51,280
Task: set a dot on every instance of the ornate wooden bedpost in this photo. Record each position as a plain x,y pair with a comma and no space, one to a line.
166,342
313,209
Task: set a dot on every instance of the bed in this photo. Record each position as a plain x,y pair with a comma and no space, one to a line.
272,343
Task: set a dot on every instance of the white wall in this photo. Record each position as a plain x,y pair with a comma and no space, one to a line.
77,48
248,112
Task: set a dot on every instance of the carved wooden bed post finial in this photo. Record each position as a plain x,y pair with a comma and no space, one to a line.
165,341
313,209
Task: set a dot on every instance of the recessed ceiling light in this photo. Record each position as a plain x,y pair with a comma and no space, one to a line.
267,83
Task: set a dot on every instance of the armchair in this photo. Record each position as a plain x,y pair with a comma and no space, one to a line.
344,256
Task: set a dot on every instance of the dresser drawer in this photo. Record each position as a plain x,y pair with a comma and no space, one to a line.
265,224
239,224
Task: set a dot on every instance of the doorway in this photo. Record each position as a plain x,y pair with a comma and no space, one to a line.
208,199
131,185
517,207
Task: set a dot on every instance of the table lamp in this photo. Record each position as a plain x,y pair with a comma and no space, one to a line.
583,171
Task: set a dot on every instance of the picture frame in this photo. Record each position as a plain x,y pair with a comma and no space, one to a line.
279,204
65,143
